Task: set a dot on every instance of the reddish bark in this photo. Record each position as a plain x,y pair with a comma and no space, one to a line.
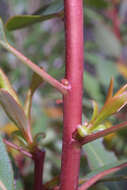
73,99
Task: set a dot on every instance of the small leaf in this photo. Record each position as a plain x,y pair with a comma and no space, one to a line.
95,110
2,33
35,83
21,21
6,172
13,110
54,10
110,90
112,106
5,84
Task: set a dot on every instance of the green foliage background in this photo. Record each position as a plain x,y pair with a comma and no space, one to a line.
105,57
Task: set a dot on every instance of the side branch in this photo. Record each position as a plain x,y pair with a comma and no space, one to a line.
58,85
97,135
20,149
97,177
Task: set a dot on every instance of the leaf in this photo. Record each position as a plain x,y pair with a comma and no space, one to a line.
35,83
5,84
114,105
20,21
97,155
6,173
95,110
107,42
3,40
92,86
105,68
110,90
13,110
104,37
2,34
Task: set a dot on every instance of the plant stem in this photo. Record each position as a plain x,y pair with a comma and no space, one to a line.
20,149
103,133
73,99
38,158
97,177
58,85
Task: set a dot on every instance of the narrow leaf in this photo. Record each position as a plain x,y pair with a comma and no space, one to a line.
121,90
6,173
35,83
21,21
5,84
2,34
13,110
95,110
110,90
112,106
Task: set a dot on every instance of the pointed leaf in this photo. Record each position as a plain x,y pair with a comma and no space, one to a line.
112,106
5,84
35,83
13,110
95,110
6,172
54,9
121,90
3,40
110,90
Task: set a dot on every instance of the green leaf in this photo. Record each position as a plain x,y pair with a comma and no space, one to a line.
114,105
20,21
13,110
106,167
2,34
92,86
105,39
6,173
97,4
35,83
97,155
5,84
95,110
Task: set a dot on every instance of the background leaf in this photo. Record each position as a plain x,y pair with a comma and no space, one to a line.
6,173
97,155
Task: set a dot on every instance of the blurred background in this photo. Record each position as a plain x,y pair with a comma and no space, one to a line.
105,38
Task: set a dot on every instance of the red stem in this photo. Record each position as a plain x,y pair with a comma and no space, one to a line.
103,133
20,149
94,179
38,158
115,20
73,99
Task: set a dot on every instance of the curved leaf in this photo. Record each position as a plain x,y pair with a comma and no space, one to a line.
95,110
13,110
49,11
21,21
35,83
5,84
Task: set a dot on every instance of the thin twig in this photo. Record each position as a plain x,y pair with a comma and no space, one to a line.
48,78
20,149
97,177
103,133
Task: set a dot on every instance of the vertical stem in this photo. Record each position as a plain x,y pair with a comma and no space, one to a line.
38,158
73,99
